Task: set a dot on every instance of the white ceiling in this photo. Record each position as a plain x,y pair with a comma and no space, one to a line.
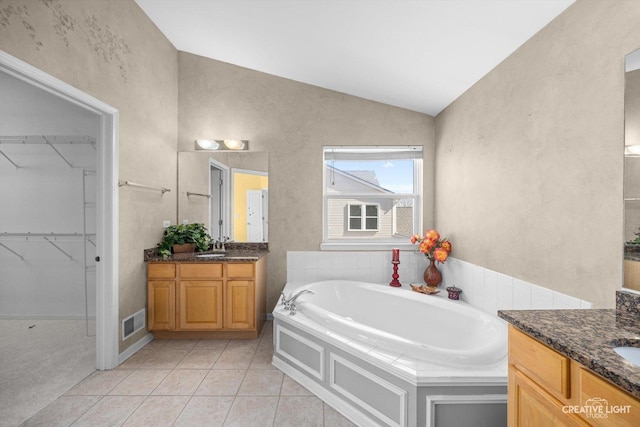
415,54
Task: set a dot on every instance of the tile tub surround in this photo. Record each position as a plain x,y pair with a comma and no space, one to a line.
484,289
586,336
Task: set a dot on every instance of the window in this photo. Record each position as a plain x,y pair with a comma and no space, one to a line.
363,217
372,195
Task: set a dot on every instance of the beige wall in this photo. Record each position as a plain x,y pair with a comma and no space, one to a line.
111,50
529,160
292,121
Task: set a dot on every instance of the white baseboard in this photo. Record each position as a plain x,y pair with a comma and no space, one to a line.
133,349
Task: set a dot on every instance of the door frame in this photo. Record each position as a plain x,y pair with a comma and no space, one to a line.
107,242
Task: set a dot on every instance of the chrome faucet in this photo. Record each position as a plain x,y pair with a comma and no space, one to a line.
291,302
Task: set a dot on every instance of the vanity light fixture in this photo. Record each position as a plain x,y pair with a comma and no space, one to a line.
222,144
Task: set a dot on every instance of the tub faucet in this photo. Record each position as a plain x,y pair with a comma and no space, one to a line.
291,302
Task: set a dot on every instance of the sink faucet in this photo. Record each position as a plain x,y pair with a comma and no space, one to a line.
291,302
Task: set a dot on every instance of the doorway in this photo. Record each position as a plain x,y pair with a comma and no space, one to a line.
87,178
219,192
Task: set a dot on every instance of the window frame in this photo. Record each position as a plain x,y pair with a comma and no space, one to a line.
367,242
363,216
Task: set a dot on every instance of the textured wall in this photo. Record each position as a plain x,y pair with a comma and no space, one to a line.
292,121
111,50
529,160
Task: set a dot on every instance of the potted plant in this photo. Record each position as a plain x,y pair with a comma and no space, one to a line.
435,249
176,236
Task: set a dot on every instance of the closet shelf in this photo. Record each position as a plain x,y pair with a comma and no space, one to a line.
47,139
48,236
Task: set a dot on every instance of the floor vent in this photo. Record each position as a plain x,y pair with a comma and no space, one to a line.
133,324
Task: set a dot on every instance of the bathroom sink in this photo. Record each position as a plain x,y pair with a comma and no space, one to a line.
210,256
630,354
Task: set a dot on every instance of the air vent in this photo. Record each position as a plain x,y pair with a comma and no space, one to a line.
133,324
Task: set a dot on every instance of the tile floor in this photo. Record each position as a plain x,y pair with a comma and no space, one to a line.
192,383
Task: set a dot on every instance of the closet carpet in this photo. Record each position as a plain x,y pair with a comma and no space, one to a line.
39,361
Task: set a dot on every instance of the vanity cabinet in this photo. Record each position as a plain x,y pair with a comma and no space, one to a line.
547,388
206,300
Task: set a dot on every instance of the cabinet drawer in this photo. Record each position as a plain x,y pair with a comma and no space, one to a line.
240,270
611,406
547,367
200,270
163,270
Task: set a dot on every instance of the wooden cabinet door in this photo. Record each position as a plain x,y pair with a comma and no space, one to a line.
162,304
530,406
200,304
240,305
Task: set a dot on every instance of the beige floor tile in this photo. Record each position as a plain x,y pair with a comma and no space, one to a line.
221,382
242,345
205,411
262,359
202,358
299,411
99,383
141,382
183,382
333,418
234,359
266,344
164,359
62,412
157,411
110,411
254,411
137,359
155,345
261,382
212,344
180,344
290,387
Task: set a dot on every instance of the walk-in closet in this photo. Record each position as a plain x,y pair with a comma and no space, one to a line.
47,246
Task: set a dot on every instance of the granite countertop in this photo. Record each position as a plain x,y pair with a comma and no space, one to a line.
588,337
236,252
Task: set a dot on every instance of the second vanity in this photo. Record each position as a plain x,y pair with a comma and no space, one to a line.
191,296
563,370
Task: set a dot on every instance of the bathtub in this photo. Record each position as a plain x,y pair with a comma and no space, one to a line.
386,356
417,325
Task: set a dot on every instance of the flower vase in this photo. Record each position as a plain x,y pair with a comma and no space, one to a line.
432,276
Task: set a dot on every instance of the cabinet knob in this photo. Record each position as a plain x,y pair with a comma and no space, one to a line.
97,259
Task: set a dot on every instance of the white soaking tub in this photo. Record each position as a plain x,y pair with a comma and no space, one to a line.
386,356
422,326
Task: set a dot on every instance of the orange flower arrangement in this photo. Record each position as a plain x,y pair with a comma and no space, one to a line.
432,245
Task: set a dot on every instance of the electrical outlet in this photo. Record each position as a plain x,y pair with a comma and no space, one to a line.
185,221
166,224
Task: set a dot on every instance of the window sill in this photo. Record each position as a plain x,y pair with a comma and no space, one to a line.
362,246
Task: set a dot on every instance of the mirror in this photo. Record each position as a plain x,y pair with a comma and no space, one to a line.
227,191
632,171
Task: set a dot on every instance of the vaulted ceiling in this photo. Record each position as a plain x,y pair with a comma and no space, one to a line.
415,54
